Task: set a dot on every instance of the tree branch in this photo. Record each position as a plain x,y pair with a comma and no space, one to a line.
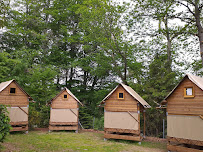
186,7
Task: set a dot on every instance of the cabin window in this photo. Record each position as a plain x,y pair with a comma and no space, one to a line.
120,95
65,96
188,92
12,90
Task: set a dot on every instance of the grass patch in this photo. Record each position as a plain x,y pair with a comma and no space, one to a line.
70,141
146,144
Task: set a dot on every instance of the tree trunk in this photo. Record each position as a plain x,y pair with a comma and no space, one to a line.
125,71
85,80
199,27
66,77
94,83
169,45
71,77
200,35
57,82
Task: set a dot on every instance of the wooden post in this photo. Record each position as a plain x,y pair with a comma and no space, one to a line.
163,129
144,123
138,111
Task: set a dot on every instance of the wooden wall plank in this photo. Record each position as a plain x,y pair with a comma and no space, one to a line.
126,104
63,127
125,137
61,103
177,104
17,99
181,149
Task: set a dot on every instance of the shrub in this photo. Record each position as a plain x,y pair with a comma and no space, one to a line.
99,123
4,123
39,117
85,118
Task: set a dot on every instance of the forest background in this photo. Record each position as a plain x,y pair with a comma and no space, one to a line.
89,46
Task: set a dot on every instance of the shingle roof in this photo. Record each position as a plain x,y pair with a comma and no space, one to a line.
69,92
132,93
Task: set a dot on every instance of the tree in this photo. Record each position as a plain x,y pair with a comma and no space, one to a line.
103,34
192,16
4,7
159,27
155,86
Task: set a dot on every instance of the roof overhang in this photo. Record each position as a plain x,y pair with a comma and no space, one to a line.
69,92
198,81
131,92
4,85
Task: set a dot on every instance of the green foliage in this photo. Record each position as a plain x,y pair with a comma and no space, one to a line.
38,116
99,123
85,118
4,123
40,84
87,46
34,117
155,86
6,65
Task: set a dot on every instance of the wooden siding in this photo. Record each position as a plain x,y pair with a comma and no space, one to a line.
126,104
61,103
125,137
17,99
177,104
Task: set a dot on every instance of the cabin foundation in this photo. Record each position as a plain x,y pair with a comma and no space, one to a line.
184,145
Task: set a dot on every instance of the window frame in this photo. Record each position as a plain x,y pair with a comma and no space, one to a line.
64,96
10,90
189,96
119,97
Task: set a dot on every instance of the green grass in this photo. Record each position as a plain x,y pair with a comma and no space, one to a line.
70,141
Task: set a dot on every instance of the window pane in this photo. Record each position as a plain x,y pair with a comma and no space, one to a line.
189,91
12,90
120,95
65,96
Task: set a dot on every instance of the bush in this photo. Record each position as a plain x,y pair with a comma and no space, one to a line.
85,118
39,117
4,123
99,123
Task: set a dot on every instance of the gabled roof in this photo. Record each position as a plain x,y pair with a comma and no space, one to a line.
132,93
69,92
4,85
195,79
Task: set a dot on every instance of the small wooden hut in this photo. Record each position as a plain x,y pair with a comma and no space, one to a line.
17,102
64,111
185,115
122,108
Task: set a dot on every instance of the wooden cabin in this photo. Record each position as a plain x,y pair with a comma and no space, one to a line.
184,106
17,102
64,111
122,108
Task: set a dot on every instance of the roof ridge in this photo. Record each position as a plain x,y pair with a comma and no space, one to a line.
5,84
195,79
69,92
132,92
